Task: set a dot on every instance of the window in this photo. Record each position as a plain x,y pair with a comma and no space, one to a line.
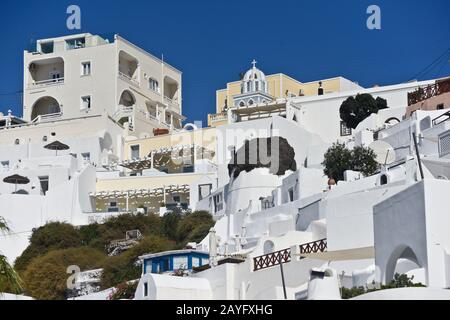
5,164
242,104
145,289
257,86
188,169
291,194
195,262
113,207
345,131
249,84
75,43
43,181
44,138
86,156
134,152
86,68
153,85
218,202
86,103
440,106
250,102
47,47
17,141
176,199
204,190
180,263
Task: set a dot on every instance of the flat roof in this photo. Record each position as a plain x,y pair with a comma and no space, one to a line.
171,252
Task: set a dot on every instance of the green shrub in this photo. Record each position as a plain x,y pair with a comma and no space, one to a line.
46,276
52,236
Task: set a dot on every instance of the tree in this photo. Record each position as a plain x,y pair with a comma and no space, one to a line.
170,222
194,227
124,267
363,160
338,159
9,279
54,235
46,276
355,109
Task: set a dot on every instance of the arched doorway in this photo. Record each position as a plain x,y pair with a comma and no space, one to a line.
401,252
44,106
127,99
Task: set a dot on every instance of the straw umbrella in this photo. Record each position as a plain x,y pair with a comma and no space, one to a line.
56,145
16,179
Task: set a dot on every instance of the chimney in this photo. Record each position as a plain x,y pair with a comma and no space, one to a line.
320,91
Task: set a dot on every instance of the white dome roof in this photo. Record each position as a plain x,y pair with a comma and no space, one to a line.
254,73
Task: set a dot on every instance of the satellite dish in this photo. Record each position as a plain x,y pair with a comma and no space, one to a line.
384,152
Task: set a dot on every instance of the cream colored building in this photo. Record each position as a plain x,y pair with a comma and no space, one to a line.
160,173
84,75
275,87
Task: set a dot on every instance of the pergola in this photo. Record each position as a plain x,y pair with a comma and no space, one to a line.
140,193
166,155
262,110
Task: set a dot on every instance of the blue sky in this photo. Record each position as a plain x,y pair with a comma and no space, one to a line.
213,41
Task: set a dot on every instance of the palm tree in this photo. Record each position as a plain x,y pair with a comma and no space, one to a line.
8,276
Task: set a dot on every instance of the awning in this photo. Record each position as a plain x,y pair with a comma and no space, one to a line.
340,255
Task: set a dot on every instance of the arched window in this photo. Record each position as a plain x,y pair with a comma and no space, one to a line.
250,102
249,86
257,86
383,179
242,104
17,141
269,247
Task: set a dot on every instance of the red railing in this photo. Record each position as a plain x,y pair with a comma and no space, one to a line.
314,247
271,259
423,93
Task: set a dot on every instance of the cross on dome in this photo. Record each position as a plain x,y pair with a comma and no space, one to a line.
254,62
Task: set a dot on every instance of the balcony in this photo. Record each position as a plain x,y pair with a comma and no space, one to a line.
44,83
423,93
217,118
45,72
128,79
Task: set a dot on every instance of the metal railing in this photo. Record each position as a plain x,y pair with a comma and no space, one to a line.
426,92
271,259
314,247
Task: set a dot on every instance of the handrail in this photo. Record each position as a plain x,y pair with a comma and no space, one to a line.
128,78
271,259
314,247
47,82
428,91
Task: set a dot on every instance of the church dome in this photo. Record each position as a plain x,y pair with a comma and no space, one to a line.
254,74
254,80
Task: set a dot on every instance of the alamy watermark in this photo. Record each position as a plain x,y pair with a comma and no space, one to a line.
73,22
374,20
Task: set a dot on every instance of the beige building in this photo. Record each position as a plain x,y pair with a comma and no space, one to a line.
241,93
431,97
83,75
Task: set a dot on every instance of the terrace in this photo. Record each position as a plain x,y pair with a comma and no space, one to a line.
429,91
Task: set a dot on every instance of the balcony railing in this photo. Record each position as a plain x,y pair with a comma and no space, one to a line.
47,82
432,90
218,117
271,259
170,101
47,117
314,247
129,79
